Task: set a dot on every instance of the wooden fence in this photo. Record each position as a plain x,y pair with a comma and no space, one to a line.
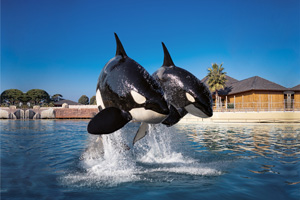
258,106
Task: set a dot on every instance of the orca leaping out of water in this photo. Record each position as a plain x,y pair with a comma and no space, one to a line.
126,91
184,92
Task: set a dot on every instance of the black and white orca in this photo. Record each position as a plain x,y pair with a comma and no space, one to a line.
184,92
126,91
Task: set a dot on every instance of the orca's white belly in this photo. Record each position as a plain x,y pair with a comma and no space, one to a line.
148,116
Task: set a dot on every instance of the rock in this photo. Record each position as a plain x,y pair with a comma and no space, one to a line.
19,114
48,114
37,116
29,114
12,116
4,114
22,114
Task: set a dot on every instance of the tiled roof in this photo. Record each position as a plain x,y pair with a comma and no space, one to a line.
296,88
234,86
255,83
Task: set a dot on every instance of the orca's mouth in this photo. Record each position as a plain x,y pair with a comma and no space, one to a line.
199,110
208,111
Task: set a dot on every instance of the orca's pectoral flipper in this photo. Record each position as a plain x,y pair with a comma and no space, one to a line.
143,130
173,117
108,121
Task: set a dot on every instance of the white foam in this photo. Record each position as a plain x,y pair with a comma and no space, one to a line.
107,166
115,164
153,157
203,171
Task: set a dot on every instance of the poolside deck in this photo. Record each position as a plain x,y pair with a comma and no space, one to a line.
248,117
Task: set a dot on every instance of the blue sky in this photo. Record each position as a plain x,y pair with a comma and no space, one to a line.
61,45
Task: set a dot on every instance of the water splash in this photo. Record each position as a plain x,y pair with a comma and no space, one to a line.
162,152
161,147
108,161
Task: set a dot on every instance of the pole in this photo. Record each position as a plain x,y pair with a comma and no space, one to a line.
243,102
234,102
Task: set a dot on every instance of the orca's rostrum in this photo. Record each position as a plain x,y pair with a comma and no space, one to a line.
126,91
184,92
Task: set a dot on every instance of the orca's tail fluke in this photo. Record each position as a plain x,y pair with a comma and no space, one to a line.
120,50
167,58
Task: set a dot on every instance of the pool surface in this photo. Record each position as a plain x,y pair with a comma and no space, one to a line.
58,159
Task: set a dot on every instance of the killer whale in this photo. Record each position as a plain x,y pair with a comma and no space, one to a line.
126,91
184,92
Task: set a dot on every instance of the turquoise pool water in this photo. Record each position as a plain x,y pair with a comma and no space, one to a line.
58,159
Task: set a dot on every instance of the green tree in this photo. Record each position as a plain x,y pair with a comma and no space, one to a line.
56,97
24,98
83,100
93,100
216,80
12,96
38,96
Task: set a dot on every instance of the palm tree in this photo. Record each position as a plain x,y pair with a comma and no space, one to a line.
216,80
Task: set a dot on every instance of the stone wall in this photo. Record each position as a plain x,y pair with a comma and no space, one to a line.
75,113
37,112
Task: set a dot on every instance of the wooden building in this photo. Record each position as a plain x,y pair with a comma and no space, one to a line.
295,96
256,94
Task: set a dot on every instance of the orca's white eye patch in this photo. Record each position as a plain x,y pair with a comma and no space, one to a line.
138,98
190,97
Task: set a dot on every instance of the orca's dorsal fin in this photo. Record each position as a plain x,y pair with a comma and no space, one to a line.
120,50
167,58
